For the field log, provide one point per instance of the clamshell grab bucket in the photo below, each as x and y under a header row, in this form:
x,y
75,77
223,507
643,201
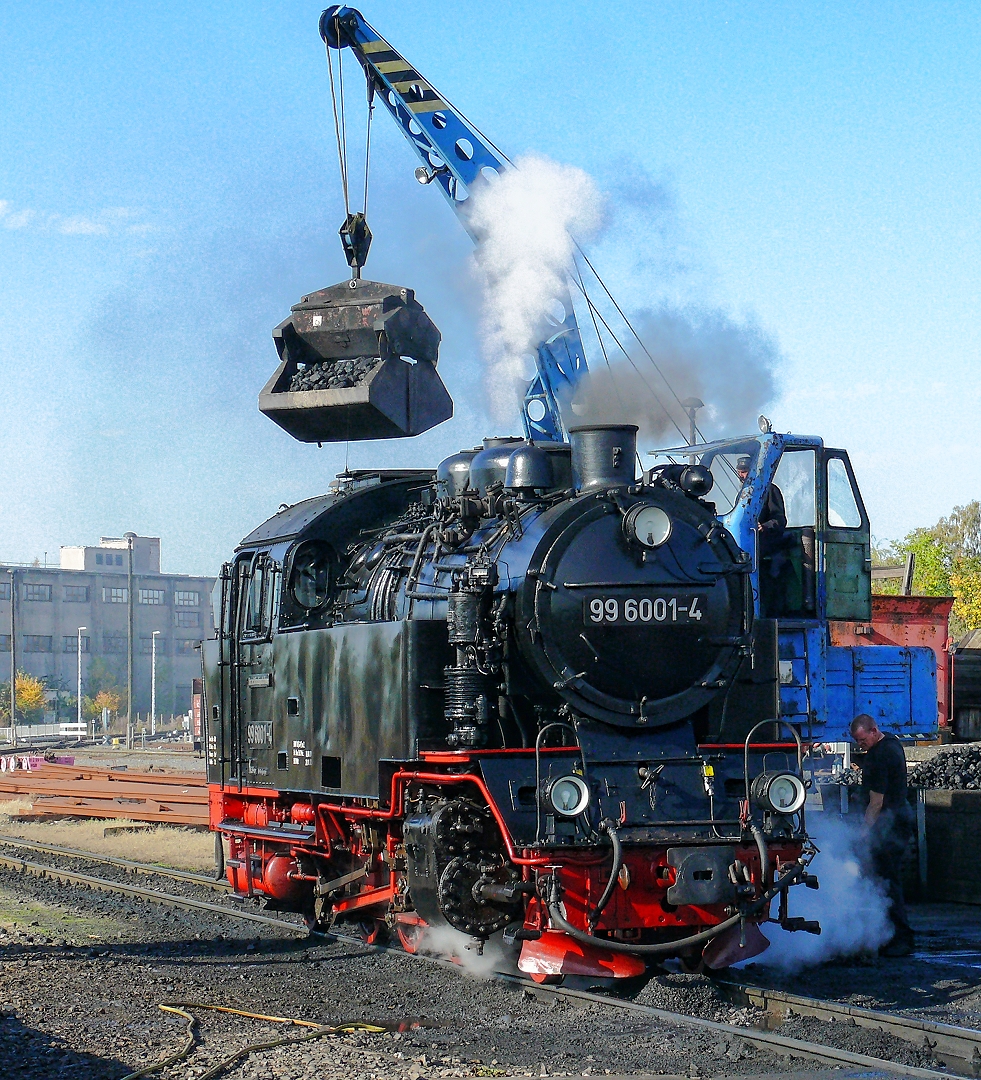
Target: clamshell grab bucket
x,y
357,361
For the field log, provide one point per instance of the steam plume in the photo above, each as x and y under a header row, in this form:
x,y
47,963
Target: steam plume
x,y
525,221
852,910
450,944
702,353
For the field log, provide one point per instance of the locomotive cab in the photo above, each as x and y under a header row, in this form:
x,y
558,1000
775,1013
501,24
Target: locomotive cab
x,y
814,585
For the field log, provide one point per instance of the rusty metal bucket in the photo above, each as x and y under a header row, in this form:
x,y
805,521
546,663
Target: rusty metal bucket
x,y
369,351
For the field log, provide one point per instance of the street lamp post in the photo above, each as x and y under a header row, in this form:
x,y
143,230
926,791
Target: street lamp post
x,y
13,658
130,537
80,629
153,681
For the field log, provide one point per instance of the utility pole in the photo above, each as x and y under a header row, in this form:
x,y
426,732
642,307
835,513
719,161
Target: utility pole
x,y
130,537
13,658
153,682
80,629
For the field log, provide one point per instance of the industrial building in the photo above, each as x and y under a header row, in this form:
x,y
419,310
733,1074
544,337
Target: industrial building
x,y
90,589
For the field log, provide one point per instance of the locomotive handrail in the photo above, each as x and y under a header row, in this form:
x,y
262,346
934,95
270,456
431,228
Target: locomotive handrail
x,y
800,757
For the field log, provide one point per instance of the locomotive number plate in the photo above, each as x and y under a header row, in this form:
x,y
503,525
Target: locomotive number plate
x,y
259,733
601,610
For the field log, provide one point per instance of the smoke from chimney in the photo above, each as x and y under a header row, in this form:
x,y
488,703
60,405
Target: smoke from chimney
x,y
702,353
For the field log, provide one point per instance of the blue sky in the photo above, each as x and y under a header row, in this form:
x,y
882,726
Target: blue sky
x,y
170,188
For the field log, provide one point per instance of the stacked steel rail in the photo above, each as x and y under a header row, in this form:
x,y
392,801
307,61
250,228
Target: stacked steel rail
x,y
83,791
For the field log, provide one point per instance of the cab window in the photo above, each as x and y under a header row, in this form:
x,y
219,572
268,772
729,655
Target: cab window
x,y
843,511
795,479
723,466
255,581
311,579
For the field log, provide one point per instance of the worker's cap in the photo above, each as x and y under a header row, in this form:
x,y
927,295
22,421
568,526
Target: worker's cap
x,y
743,462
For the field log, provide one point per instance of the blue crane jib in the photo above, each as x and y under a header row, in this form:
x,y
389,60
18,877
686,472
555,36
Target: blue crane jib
x,y
458,158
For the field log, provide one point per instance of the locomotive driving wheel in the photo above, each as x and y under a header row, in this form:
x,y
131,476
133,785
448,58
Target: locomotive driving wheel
x,y
411,930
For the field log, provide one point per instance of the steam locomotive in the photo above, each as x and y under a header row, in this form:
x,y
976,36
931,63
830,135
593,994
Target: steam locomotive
x,y
513,696
531,696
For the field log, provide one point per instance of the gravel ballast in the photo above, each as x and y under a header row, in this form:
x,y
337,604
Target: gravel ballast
x,y
82,973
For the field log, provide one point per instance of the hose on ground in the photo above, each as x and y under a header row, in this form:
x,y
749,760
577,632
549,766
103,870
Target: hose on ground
x,y
179,1008
608,827
661,948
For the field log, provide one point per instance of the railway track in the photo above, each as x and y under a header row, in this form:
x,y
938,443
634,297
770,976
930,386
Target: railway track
x,y
216,884
958,1048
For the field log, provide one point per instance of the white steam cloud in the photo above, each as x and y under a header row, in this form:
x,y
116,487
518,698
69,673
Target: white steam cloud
x,y
701,353
450,944
525,221
851,907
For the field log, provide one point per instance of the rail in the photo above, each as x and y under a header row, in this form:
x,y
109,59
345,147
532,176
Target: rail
x,y
961,1047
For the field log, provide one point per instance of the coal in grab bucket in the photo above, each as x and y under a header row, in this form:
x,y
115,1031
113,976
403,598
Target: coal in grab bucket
x,y
357,361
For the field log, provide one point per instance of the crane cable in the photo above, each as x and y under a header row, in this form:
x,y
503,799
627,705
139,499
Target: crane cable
x,y
594,310
340,127
630,327
599,337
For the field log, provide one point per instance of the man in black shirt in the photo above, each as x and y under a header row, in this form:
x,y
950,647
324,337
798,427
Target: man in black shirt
x,y
889,820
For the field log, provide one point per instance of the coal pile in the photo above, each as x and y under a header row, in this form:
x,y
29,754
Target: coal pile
x,y
958,769
848,778
334,374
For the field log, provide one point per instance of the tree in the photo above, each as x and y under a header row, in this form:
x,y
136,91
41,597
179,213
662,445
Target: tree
x,y
31,700
948,563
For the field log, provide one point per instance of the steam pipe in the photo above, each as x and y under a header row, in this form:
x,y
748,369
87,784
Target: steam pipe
x,y
764,854
661,948
607,826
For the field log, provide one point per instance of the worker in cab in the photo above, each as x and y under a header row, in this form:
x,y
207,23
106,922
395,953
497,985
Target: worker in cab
x,y
888,822
772,523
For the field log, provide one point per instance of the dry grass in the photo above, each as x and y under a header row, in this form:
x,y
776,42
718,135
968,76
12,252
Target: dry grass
x,y
183,849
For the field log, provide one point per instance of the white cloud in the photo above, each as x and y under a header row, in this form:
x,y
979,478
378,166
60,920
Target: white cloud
x,y
115,220
19,220
82,226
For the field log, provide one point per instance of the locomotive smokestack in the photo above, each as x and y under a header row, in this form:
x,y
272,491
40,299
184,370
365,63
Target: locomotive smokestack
x,y
603,455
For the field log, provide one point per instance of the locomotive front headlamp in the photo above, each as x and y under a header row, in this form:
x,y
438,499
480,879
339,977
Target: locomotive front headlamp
x,y
569,795
781,793
647,525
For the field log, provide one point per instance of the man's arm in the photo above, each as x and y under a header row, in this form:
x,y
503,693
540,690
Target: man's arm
x,y
774,514
874,809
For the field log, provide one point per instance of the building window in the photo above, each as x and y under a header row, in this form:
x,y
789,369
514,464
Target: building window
x,y
119,560
5,644
37,643
187,619
69,643
186,599
115,596
37,592
186,646
114,644
4,590
151,596
98,558
76,594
